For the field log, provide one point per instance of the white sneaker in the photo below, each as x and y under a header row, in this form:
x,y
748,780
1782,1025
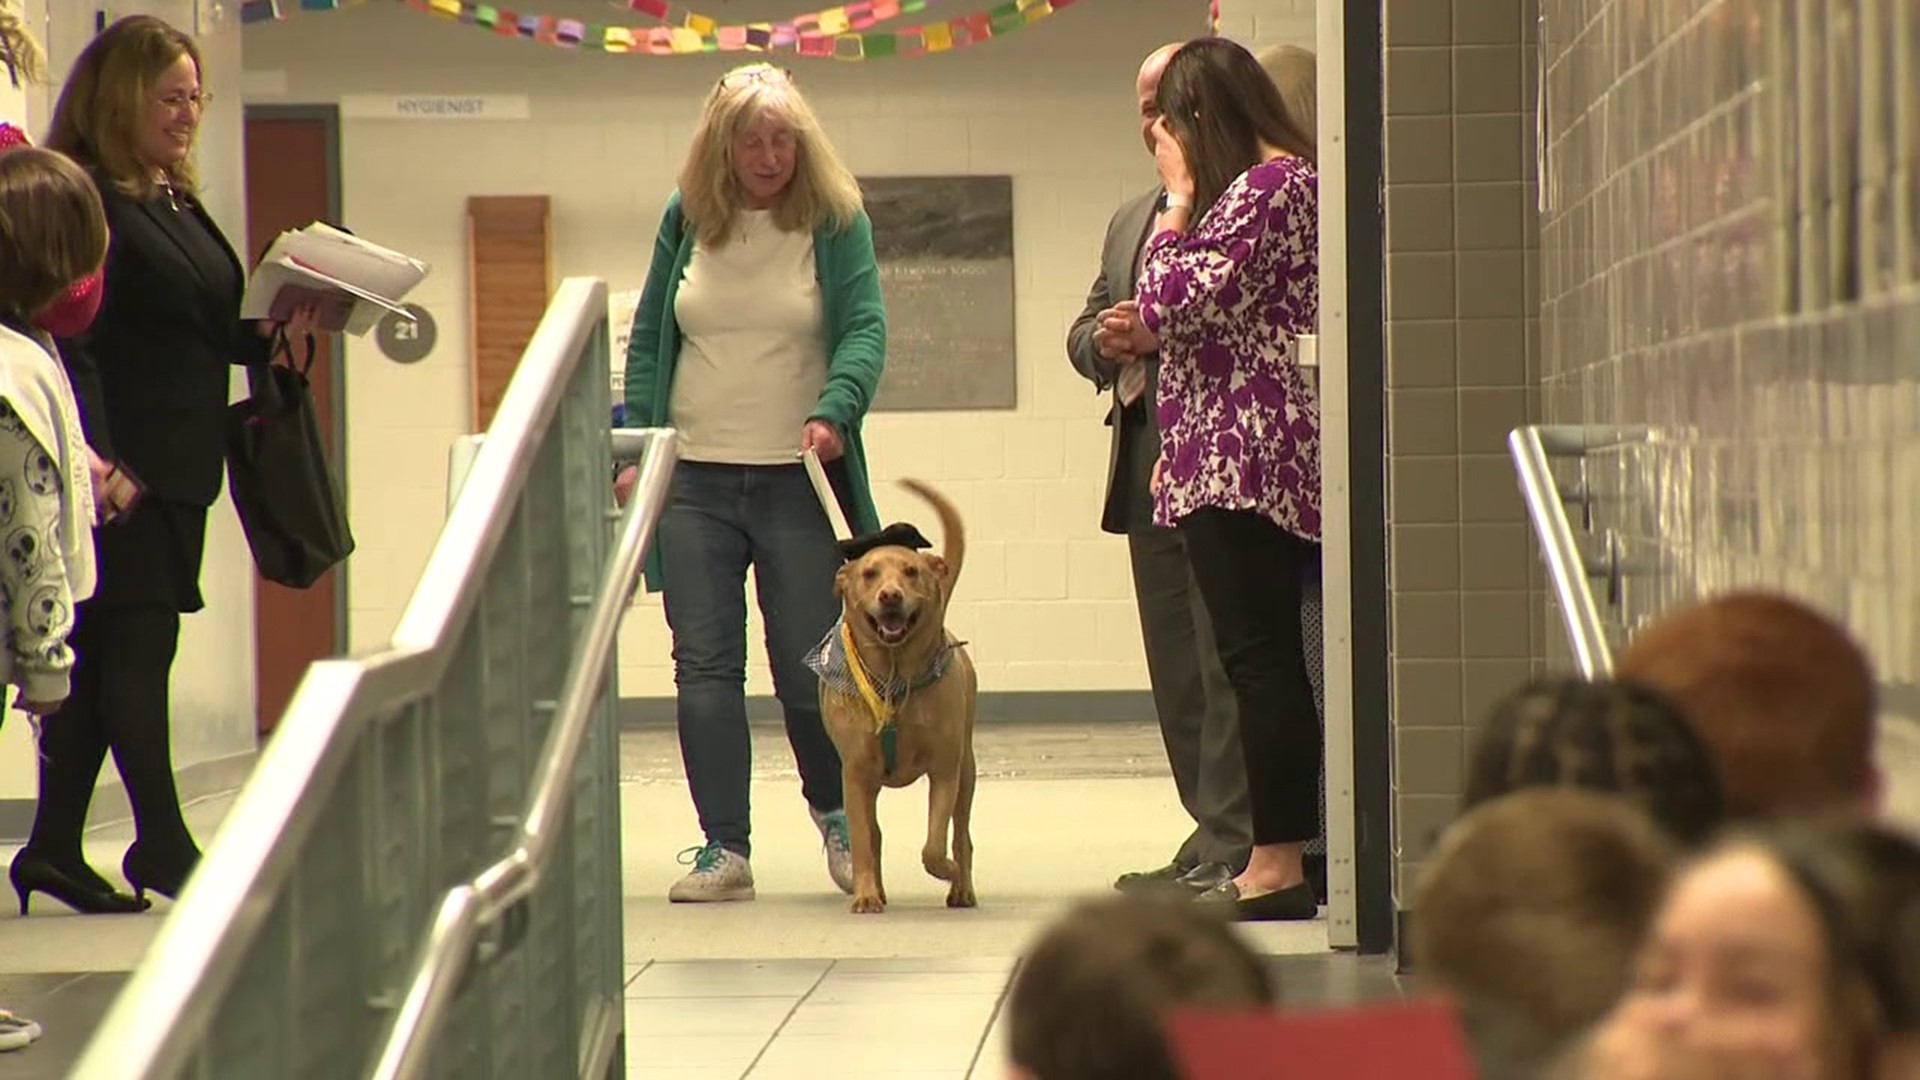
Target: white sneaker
x,y
833,833
16,1032
718,875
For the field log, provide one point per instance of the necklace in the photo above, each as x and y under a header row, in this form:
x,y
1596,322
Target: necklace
x,y
172,200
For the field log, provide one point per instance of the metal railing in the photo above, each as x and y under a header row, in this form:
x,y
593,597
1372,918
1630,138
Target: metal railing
x,y
490,899
1570,568
379,899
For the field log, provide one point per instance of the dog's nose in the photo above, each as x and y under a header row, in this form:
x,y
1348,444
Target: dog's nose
x,y
891,598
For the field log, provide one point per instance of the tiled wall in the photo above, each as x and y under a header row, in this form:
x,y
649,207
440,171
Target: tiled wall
x,y
1462,248
1047,599
1260,23
1731,258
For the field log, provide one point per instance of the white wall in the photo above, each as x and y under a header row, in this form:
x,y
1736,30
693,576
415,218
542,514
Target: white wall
x,y
1047,598
213,679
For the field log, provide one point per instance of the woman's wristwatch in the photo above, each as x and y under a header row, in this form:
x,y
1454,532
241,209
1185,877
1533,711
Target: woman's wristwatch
x,y
1170,201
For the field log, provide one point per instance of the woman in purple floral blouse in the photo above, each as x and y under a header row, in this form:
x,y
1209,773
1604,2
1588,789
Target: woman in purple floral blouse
x,y
1230,276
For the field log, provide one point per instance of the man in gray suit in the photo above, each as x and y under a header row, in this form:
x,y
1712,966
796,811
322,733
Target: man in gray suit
x,y
1191,693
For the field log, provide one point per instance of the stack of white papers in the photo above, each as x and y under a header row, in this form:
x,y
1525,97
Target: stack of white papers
x,y
354,283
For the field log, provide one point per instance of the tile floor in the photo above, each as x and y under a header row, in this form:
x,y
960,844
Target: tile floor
x,y
777,988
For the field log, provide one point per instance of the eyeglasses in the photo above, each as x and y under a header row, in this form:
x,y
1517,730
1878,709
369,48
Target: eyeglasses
x,y
766,73
175,102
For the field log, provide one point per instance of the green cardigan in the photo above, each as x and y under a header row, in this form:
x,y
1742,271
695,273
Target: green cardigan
x,y
856,340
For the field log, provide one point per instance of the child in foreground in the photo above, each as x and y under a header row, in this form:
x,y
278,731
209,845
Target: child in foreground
x,y
1093,993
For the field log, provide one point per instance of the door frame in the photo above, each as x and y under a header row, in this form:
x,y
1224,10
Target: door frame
x,y
1362,912
329,119
1362,34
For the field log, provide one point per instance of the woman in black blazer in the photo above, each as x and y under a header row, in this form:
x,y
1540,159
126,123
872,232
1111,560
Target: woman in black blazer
x,y
152,376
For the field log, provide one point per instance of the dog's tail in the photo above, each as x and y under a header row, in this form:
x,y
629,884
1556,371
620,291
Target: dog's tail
x,y
953,531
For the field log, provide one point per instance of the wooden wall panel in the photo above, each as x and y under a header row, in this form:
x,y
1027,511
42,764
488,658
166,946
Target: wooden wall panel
x,y
510,241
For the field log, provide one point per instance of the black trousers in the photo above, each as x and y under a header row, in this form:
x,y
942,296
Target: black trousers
x,y
1193,700
123,657
1249,571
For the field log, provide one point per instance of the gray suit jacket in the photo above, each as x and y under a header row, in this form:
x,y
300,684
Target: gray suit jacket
x,y
1136,439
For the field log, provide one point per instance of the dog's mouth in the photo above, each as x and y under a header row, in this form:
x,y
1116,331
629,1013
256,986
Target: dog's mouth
x,y
892,626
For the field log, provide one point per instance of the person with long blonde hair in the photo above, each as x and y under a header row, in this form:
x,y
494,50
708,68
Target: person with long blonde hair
x,y
25,61
760,334
1295,74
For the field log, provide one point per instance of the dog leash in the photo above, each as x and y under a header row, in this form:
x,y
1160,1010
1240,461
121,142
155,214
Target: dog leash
x,y
823,490
876,705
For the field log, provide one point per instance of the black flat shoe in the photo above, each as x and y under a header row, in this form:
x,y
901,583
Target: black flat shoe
x,y
1151,879
32,874
1295,904
148,872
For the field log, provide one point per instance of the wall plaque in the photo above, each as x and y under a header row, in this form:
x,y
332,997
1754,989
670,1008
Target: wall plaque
x,y
945,246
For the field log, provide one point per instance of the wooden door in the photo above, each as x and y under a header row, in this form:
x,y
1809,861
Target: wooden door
x,y
292,157
510,246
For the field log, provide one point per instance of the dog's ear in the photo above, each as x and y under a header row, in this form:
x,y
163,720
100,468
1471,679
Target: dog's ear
x,y
843,579
940,568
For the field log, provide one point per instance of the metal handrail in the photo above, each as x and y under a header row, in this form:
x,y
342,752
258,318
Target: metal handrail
x,y
1546,507
475,906
167,1006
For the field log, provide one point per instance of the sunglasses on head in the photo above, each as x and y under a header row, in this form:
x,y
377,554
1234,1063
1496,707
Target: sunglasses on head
x,y
766,73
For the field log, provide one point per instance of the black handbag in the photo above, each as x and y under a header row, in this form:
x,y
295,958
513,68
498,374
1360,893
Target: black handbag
x,y
289,501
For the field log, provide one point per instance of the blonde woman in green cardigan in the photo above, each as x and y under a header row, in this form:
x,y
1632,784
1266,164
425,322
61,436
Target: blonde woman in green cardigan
x,y
760,333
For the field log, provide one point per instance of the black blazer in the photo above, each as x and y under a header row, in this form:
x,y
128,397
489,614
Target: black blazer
x,y
152,373
1136,437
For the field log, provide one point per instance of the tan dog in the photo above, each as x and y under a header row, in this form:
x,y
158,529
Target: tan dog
x,y
909,696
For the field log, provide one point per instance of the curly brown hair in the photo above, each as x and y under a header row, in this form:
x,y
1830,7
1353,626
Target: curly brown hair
x,y
1782,696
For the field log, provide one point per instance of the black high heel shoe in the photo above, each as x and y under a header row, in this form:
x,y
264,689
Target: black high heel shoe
x,y
32,874
152,873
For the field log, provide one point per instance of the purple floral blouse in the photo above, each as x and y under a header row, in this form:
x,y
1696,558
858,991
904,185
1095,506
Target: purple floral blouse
x,y
1239,427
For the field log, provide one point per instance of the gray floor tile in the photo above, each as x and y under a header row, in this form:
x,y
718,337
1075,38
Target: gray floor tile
x,y
951,1016
866,989
937,965
720,1053
728,978
67,1007
1002,751
722,1016
870,1055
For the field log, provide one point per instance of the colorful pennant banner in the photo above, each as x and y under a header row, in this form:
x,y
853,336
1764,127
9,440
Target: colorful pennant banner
x,y
855,17
840,33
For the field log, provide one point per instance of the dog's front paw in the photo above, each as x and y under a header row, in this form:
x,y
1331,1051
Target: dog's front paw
x,y
961,896
869,904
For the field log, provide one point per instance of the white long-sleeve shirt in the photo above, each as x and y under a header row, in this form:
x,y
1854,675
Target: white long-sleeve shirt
x,y
34,583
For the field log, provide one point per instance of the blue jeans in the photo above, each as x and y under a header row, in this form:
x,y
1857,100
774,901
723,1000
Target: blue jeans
x,y
720,520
